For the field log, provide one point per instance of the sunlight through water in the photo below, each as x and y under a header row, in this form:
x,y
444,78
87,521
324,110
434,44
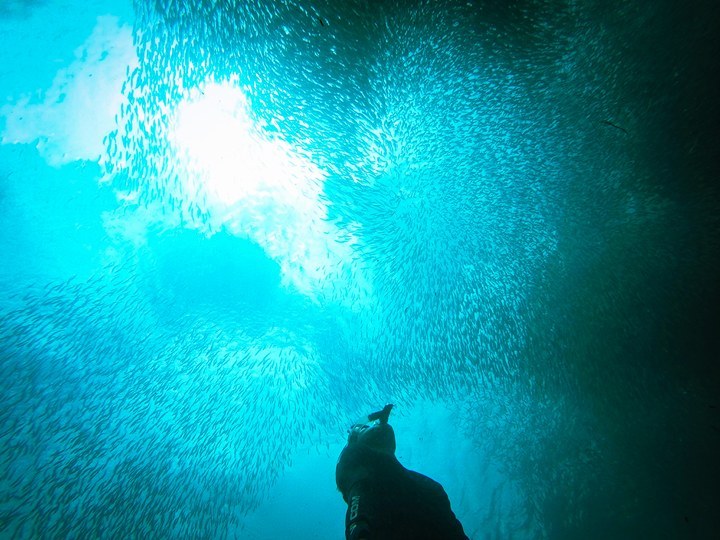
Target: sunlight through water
x,y
256,185
229,158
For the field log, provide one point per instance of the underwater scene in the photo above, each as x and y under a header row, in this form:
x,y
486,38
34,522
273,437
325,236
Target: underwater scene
x,y
231,228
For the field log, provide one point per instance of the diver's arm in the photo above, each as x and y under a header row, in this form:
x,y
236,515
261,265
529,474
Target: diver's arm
x,y
352,475
357,519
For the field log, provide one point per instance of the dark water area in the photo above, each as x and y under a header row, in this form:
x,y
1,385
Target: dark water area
x,y
229,229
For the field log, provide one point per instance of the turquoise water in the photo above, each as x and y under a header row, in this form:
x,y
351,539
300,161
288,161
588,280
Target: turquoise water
x,y
229,229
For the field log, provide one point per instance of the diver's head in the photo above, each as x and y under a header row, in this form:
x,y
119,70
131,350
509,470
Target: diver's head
x,y
376,433
380,437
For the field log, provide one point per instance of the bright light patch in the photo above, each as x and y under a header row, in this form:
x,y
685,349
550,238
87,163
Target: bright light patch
x,y
67,122
255,185
216,137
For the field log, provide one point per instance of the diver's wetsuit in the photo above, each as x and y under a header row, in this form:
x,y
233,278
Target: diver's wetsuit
x,y
386,501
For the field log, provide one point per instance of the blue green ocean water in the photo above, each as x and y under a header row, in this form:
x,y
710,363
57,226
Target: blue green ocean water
x,y
228,229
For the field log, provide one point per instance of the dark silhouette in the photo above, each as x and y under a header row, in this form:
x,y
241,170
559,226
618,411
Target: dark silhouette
x,y
385,500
